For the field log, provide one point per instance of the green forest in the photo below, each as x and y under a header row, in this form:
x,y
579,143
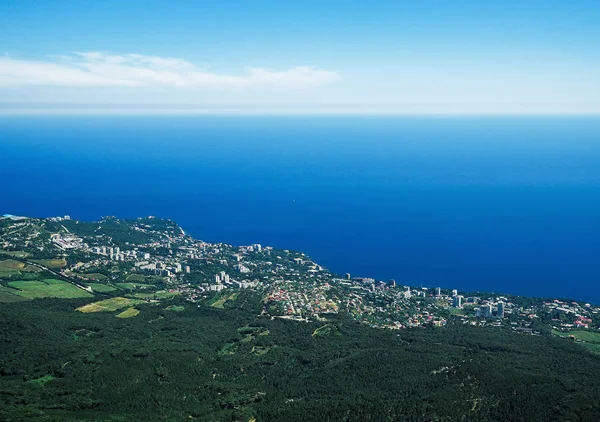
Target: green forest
x,y
177,360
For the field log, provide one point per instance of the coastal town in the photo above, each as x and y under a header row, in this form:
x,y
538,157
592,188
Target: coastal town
x,y
154,259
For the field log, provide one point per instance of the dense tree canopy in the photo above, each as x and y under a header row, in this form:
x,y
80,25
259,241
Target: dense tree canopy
x,y
229,364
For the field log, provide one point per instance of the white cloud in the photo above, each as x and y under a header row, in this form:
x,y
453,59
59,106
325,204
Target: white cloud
x,y
97,69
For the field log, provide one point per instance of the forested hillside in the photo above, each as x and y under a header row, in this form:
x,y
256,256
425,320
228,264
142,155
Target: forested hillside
x,y
180,361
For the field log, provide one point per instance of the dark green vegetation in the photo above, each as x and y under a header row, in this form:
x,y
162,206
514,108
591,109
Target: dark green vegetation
x,y
120,231
139,344
205,363
588,339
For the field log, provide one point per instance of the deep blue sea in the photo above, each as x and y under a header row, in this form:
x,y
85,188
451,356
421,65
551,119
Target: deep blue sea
x,y
505,204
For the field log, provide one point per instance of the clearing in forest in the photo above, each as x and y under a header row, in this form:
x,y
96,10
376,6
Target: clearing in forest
x,y
128,313
220,300
109,305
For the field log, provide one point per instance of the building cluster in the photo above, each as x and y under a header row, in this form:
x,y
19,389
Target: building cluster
x,y
292,284
58,219
68,241
569,315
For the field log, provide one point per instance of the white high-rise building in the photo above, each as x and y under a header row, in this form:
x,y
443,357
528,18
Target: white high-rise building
x,y
187,269
454,292
487,310
438,291
500,310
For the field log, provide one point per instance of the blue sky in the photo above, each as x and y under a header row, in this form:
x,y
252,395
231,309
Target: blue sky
x,y
318,56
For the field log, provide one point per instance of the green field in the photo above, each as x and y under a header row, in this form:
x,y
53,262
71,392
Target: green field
x,y
589,336
8,273
588,339
16,254
259,350
219,301
136,277
11,264
7,297
326,330
10,267
51,263
5,289
582,335
162,294
128,313
176,308
133,286
47,288
93,276
109,305
100,287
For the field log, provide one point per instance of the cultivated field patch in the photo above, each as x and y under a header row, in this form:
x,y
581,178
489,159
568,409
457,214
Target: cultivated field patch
x,y
133,286
135,277
8,295
51,263
128,313
175,308
93,276
219,301
161,294
47,288
326,330
588,339
16,254
100,287
11,264
9,298
109,305
8,273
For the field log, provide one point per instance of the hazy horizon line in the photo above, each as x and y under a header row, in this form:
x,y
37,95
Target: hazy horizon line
x,y
240,109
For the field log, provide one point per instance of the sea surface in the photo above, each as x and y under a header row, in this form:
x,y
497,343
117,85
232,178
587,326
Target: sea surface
x,y
503,204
